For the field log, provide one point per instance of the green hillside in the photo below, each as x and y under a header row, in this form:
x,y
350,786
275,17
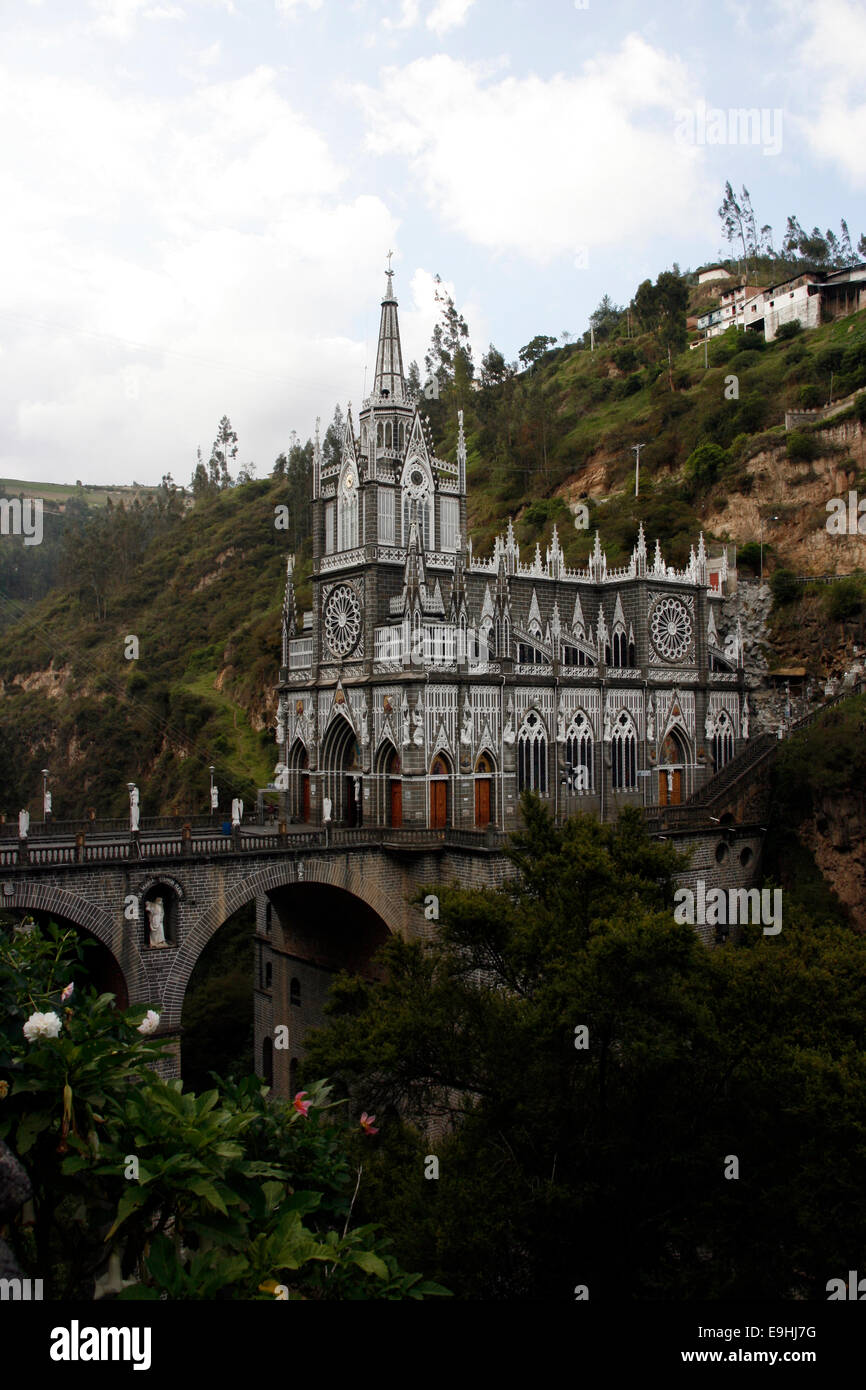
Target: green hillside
x,y
200,584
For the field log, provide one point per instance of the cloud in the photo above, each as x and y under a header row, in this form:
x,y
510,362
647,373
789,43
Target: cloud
x,y
291,7
830,58
169,261
410,11
448,14
539,166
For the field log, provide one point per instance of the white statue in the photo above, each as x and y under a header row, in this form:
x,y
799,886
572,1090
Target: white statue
x,y
709,725
560,727
746,717
46,805
607,728
650,720
327,807
23,824
214,798
134,809
466,730
156,922
237,811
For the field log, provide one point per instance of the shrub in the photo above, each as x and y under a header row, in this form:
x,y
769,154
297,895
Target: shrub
x,y
785,587
703,465
802,448
845,598
789,330
811,396
749,555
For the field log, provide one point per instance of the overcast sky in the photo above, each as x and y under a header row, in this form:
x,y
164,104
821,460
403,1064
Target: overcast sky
x,y
198,197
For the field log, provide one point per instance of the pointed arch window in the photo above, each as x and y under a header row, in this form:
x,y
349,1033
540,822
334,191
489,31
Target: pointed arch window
x,y
402,436
623,755
532,756
723,741
620,647
578,753
506,636
347,511
389,439
379,435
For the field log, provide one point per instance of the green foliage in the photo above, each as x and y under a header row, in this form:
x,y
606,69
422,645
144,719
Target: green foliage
x,y
845,598
789,330
785,587
802,448
705,463
550,1146
222,1194
749,555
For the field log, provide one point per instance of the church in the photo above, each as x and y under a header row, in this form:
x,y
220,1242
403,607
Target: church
x,y
430,686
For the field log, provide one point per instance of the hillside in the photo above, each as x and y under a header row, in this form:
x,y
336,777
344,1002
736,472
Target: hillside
x,y
201,585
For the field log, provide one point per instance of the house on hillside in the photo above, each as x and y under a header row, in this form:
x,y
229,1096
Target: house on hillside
x,y
714,272
811,298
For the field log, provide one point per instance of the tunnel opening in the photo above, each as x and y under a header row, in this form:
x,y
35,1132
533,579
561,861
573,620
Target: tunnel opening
x,y
217,1017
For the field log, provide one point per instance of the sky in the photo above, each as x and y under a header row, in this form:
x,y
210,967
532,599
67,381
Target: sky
x,y
198,198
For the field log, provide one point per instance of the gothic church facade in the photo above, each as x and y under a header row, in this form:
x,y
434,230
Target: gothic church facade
x,y
430,686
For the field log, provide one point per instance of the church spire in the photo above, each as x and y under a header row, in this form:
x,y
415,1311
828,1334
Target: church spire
x,y
389,355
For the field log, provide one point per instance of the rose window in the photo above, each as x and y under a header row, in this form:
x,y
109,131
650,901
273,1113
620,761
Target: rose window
x,y
342,620
671,629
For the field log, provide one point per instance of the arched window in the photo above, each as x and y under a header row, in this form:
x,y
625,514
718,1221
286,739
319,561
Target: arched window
x,y
269,975
623,755
402,436
379,434
506,636
364,435
389,440
486,649
347,511
631,654
723,741
532,756
620,648
578,753
295,991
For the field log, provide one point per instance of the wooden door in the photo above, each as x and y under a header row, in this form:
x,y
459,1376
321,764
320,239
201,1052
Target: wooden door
x,y
482,801
305,798
663,789
438,805
676,786
396,803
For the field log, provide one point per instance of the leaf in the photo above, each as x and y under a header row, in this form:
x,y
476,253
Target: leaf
x,y
370,1263
30,1127
203,1188
129,1202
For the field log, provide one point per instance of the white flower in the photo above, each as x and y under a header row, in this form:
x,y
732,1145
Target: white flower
x,y
150,1022
42,1026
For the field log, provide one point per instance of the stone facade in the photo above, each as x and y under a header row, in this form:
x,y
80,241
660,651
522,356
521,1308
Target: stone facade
x,y
429,686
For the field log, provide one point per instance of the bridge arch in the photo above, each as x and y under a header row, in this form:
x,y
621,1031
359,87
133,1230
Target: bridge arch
x,y
57,902
341,874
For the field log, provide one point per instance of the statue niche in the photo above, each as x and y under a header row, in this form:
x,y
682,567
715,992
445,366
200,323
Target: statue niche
x,y
160,911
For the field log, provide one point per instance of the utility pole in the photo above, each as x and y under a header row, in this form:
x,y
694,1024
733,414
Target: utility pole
x,y
636,448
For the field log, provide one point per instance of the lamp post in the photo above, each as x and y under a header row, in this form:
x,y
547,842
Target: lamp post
x,y
772,518
636,448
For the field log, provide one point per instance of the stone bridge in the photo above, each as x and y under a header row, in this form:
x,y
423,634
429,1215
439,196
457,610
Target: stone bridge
x,y
325,901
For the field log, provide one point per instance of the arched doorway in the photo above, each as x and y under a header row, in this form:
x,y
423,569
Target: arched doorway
x,y
483,790
341,764
389,786
672,766
440,777
299,773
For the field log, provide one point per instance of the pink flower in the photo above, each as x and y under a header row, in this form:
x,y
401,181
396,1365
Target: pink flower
x,y
367,1124
67,993
301,1105
149,1023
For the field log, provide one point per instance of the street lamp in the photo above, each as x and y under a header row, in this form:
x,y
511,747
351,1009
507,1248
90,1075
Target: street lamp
x,y
636,448
772,518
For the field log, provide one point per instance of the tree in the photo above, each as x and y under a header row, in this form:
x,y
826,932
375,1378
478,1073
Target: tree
x,y
591,1062
661,310
733,219
413,381
449,357
223,454
606,318
494,369
535,349
200,483
332,444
